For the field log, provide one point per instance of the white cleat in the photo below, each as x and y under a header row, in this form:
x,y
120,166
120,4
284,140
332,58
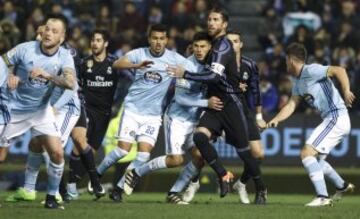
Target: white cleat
x,y
241,189
340,192
190,191
320,202
90,188
175,199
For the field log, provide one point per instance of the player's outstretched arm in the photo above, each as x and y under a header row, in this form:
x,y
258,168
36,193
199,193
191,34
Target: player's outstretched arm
x,y
340,74
285,112
125,63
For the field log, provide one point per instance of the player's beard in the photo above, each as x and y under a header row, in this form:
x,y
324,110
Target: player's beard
x,y
99,52
215,32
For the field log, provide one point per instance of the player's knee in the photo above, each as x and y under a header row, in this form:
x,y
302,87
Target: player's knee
x,y
125,146
80,142
57,155
174,160
200,139
307,151
258,153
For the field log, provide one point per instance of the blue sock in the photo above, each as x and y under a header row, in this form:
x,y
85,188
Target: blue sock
x,y
33,163
316,175
141,158
55,172
110,159
189,172
331,174
154,164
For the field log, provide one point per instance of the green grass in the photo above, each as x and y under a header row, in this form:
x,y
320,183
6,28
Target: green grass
x,y
152,206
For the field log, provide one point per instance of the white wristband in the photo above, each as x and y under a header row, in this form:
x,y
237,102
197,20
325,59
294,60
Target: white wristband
x,y
259,116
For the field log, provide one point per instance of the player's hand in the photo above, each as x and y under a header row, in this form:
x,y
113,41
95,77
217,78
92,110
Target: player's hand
x,y
215,103
39,72
177,71
13,81
349,98
243,87
272,124
261,124
145,64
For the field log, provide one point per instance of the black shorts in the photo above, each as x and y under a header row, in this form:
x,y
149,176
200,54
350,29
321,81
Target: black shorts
x,y
97,125
232,120
82,119
253,130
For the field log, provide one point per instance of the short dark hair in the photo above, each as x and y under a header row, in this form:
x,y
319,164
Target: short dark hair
x,y
235,32
222,11
104,33
59,17
159,28
202,36
297,50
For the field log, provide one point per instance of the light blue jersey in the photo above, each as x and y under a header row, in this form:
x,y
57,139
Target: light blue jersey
x,y
319,91
150,86
189,96
4,95
33,94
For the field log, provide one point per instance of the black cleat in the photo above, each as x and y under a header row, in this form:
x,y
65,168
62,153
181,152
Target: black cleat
x,y
131,180
261,197
116,194
50,203
224,184
99,192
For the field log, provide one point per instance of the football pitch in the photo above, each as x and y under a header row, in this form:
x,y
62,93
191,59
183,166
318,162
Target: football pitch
x,y
152,206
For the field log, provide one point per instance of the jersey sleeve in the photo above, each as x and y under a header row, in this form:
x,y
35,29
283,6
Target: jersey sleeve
x,y
295,90
13,56
133,56
67,61
254,81
317,72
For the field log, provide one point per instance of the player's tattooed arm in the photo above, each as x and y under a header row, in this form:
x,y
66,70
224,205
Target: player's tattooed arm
x,y
66,80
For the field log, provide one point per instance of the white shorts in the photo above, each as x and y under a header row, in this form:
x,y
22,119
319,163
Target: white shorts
x,y
135,127
41,122
329,133
66,118
178,136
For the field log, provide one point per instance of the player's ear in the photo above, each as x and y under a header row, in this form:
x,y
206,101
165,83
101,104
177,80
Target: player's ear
x,y
106,44
241,44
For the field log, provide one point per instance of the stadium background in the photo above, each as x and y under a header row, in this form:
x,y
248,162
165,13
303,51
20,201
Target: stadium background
x,y
328,28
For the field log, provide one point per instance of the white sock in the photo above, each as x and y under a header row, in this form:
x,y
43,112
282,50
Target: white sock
x,y
55,172
316,174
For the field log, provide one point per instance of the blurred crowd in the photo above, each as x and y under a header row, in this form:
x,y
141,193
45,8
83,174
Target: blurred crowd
x,y
328,28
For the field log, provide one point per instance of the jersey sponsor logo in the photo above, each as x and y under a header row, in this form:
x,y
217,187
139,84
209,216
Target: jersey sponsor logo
x,y
38,82
152,77
217,68
100,82
89,65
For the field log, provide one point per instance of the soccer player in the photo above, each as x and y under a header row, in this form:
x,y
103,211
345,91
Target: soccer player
x,y
313,84
250,80
180,120
98,80
143,109
223,82
41,66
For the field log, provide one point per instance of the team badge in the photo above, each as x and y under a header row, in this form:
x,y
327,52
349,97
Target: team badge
x,y
109,70
246,75
89,65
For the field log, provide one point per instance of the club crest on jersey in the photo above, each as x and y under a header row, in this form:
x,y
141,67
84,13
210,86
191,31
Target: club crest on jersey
x,y
109,70
246,75
152,77
89,65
